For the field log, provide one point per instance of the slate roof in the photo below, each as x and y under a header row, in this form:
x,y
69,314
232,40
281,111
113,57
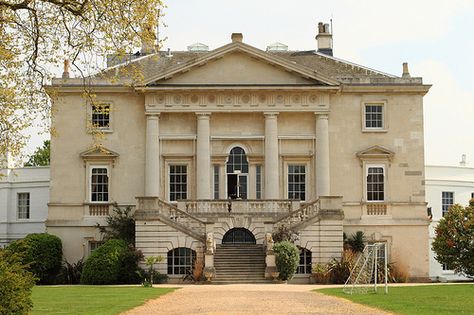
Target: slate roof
x,y
328,66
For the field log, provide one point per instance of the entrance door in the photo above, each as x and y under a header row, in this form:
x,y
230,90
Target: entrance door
x,y
237,186
238,236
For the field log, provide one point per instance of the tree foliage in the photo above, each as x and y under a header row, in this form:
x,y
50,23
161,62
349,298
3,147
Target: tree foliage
x,y
16,283
356,242
37,35
42,253
41,155
454,240
287,257
120,225
114,262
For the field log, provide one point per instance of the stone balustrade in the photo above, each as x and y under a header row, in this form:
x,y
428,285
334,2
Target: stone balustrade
x,y
238,206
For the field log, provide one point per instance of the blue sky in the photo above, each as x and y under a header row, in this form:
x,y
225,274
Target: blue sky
x,y
435,37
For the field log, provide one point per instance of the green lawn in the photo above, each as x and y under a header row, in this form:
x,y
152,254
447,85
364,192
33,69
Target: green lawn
x,y
426,299
91,299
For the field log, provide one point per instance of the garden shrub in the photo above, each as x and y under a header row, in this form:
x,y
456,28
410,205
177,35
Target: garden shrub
x,y
287,258
15,285
112,263
42,253
340,269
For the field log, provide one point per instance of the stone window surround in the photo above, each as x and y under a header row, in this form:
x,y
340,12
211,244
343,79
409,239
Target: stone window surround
x,y
189,170
297,161
108,129
366,173
95,164
27,206
385,126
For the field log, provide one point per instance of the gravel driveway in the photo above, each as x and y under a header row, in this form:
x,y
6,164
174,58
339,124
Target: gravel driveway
x,y
250,299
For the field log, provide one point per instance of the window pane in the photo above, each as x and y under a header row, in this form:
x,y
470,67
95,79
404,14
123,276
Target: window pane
x,y
101,115
374,116
99,185
23,205
375,184
296,182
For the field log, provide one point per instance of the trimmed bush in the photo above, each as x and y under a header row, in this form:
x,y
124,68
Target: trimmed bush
x,y
42,253
112,263
15,285
287,258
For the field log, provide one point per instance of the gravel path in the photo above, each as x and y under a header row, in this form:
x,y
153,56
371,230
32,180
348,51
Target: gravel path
x,y
250,299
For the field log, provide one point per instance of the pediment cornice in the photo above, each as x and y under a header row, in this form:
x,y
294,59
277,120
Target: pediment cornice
x,y
376,152
251,51
99,153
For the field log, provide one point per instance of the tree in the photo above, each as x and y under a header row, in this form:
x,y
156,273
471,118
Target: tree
x,y
120,225
454,240
37,35
41,155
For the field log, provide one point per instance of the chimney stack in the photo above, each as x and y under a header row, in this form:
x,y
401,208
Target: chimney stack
x,y
66,69
463,160
406,73
324,39
237,37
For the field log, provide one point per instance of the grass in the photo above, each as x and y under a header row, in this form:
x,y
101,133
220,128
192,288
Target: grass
x,y
91,299
424,299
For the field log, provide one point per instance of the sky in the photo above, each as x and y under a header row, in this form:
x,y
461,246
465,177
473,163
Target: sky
x,y
435,37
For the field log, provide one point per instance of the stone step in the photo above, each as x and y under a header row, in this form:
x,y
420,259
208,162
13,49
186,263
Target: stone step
x,y
232,281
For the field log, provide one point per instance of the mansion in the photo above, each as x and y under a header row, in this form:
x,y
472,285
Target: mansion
x,y
217,149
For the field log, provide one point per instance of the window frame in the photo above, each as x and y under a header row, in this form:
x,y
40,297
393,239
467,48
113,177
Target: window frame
x,y
304,254
28,205
90,113
258,181
216,175
168,179
443,212
89,183
366,183
381,103
287,175
190,253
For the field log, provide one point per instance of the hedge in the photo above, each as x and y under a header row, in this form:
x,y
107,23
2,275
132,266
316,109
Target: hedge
x,y
287,258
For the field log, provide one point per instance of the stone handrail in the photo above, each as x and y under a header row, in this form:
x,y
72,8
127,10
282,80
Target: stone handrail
x,y
298,216
236,205
182,220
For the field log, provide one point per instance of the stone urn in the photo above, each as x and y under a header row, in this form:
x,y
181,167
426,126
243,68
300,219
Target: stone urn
x,y
209,273
275,275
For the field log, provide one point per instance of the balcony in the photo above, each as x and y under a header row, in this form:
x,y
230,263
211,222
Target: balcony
x,y
271,206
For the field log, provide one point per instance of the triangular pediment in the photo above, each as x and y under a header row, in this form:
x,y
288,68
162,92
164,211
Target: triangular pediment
x,y
99,153
375,152
239,64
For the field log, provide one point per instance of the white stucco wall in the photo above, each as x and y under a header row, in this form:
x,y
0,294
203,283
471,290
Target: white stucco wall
x,y
32,180
456,179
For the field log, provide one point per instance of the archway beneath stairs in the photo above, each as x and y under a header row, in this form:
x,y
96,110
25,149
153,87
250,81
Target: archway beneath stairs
x,y
239,236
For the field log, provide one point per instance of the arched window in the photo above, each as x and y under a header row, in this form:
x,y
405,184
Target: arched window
x,y
238,236
304,267
237,169
180,260
237,161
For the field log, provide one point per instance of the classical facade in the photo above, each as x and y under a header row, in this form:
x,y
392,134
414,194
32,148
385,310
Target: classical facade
x,y
218,149
24,195
445,186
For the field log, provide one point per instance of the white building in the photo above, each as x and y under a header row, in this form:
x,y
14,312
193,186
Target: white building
x,y
445,186
24,195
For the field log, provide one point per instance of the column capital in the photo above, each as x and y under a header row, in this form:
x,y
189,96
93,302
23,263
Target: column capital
x,y
320,115
203,115
152,115
270,114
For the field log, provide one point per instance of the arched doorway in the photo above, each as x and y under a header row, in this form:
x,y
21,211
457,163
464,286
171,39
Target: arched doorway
x,y
238,236
237,168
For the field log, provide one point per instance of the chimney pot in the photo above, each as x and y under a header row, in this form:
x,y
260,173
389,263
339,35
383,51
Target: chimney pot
x,y
237,37
406,73
66,69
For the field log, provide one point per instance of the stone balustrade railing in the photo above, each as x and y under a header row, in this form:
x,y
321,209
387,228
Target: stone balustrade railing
x,y
376,208
298,216
235,205
147,206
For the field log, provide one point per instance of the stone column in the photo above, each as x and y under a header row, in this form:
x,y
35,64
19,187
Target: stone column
x,y
271,156
203,157
322,155
152,157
